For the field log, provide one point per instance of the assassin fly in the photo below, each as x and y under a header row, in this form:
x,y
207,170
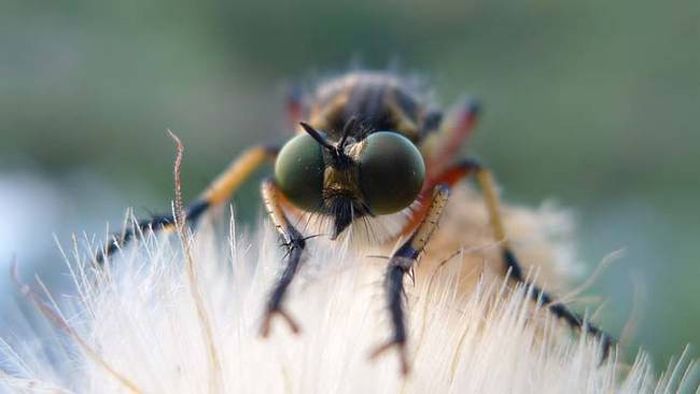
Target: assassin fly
x,y
367,145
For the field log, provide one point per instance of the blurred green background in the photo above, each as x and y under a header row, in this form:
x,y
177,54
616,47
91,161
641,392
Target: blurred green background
x,y
592,103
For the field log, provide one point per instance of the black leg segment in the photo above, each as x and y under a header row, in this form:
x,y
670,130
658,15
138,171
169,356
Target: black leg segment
x,y
156,223
574,320
295,244
399,266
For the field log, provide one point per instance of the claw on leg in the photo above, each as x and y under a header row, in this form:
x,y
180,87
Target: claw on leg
x,y
267,320
399,266
295,243
400,346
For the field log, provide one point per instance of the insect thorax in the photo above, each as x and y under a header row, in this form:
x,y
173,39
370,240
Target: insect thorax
x,y
377,101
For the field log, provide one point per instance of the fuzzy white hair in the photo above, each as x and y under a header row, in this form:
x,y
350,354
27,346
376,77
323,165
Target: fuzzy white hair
x,y
146,323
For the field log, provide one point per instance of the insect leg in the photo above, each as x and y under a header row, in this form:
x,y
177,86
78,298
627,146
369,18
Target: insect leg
x,y
443,146
237,172
400,265
219,191
511,264
295,244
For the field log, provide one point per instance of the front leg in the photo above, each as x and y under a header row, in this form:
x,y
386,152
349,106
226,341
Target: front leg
x,y
401,264
295,244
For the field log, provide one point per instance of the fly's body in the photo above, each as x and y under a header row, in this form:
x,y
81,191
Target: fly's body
x,y
368,146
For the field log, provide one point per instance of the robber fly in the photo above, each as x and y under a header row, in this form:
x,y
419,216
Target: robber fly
x,y
367,145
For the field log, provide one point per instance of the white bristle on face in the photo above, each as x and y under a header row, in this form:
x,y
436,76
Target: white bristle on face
x,y
141,330
363,233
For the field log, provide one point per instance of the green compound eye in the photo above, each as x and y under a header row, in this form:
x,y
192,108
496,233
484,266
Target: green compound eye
x,y
299,172
391,172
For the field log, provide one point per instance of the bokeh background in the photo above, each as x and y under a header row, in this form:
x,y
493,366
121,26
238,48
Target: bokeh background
x,y
594,104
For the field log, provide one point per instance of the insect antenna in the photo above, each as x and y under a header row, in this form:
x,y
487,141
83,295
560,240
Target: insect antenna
x,y
346,131
318,137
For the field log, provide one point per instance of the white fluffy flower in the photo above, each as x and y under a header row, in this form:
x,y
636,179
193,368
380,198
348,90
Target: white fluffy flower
x,y
140,326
